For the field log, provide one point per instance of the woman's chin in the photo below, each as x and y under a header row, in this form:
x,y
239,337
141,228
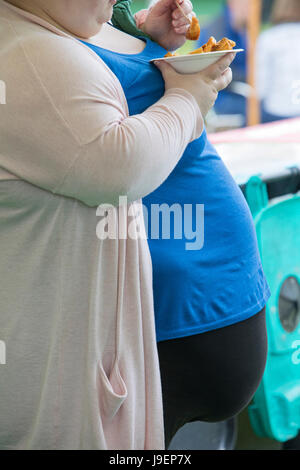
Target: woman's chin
x,y
105,18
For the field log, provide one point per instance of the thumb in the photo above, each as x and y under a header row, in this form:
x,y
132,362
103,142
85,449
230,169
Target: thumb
x,y
164,67
140,17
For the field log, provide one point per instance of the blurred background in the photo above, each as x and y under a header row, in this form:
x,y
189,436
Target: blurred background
x,y
255,126
266,77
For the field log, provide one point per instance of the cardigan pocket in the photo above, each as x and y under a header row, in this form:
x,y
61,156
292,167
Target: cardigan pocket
x,y
112,391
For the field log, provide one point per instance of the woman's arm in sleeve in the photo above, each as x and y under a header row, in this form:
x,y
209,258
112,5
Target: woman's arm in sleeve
x,y
76,137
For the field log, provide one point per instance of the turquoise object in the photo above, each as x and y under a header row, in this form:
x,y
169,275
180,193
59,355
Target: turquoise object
x,y
275,409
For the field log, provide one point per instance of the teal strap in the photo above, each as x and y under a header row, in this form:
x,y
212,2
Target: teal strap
x,y
123,19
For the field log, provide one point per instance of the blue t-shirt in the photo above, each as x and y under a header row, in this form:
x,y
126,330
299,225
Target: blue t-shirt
x,y
212,276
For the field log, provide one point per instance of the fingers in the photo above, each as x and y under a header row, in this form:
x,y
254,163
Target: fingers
x,y
217,69
179,21
224,80
164,67
140,17
186,6
182,29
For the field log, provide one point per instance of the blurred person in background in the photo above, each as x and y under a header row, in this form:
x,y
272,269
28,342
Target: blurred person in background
x,y
231,23
266,10
278,65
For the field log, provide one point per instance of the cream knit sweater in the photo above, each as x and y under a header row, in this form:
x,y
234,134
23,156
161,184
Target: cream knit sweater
x,y
76,311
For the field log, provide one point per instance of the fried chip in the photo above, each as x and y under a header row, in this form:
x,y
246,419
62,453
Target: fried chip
x,y
224,44
209,46
193,32
169,54
197,51
212,45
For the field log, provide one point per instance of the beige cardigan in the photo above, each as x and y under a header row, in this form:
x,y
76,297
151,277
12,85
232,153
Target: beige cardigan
x,y
76,311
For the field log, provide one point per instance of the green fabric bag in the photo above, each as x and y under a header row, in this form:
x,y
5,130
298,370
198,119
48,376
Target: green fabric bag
x,y
123,19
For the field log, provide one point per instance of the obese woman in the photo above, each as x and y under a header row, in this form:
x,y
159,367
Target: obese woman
x,y
88,119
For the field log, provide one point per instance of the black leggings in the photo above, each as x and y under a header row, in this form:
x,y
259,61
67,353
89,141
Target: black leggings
x,y
211,376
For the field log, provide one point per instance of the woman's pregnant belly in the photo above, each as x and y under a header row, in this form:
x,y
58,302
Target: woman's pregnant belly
x,y
225,218
209,277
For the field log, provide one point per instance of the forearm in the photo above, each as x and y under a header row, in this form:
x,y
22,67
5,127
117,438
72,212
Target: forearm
x,y
133,158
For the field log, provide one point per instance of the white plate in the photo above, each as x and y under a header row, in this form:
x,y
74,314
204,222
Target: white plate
x,y
192,63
